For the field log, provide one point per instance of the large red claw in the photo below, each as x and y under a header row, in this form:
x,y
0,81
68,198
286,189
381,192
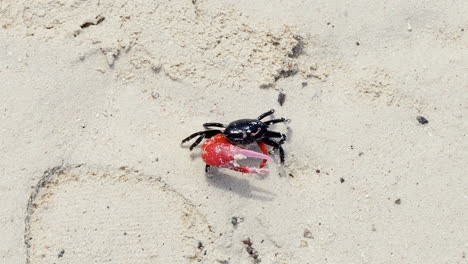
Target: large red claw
x,y
218,152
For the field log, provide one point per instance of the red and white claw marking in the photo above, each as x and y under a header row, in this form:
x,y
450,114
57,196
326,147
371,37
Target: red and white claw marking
x,y
219,152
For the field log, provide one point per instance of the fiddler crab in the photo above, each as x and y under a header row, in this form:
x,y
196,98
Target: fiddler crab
x,y
220,149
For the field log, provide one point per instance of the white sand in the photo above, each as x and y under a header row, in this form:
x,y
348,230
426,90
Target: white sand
x,y
117,96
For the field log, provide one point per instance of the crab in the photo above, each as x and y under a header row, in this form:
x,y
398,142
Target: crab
x,y
220,149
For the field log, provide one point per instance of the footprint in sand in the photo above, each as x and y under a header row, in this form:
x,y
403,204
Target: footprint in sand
x,y
78,214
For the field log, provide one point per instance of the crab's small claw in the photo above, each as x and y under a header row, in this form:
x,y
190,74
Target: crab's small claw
x,y
218,152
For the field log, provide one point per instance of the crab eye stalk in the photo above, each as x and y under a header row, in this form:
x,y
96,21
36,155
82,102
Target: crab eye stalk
x,y
256,133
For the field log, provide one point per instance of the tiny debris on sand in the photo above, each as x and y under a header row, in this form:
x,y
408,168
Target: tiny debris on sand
x,y
422,120
308,234
251,250
154,95
235,220
304,244
96,21
281,98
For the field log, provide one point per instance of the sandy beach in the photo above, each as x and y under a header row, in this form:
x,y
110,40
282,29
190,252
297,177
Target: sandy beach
x,y
96,96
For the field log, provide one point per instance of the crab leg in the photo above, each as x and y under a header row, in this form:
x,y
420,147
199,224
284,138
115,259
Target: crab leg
x,y
264,150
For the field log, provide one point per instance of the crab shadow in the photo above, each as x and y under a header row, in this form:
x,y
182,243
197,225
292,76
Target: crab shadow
x,y
194,155
241,187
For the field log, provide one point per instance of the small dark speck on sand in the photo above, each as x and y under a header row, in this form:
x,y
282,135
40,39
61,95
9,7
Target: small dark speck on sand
x,y
155,95
422,120
317,171
304,84
398,201
97,21
235,220
251,250
357,43
60,254
281,98
308,234
342,180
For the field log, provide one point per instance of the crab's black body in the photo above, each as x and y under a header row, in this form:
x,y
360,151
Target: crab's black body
x,y
244,132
